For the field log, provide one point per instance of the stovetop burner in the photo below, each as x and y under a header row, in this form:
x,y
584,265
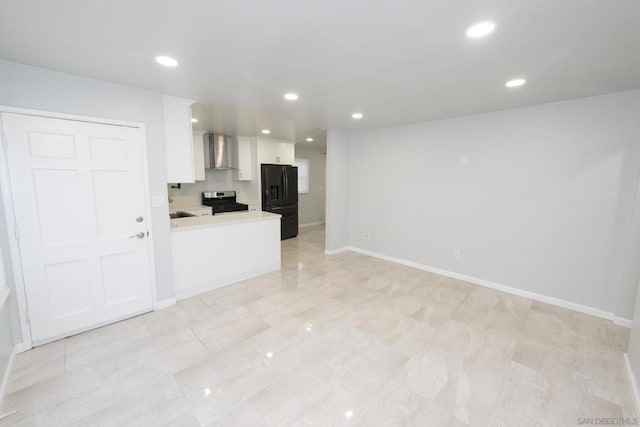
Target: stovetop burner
x,y
223,201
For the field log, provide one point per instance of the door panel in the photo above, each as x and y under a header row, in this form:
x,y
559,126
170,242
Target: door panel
x,y
116,269
272,185
288,227
108,149
113,221
291,182
57,188
51,145
77,189
68,287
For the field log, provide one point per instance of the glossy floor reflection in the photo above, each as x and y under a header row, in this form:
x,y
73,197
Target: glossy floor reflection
x,y
332,340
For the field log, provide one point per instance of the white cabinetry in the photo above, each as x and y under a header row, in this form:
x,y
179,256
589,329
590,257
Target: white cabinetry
x,y
252,248
263,150
198,156
272,150
178,139
243,159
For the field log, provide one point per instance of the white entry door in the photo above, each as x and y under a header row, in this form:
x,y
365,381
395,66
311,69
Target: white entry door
x,y
79,198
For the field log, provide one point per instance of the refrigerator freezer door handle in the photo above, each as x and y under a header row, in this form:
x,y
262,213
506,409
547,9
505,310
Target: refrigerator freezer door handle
x,y
286,185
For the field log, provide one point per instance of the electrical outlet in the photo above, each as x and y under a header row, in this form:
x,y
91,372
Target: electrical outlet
x,y
464,160
456,253
367,236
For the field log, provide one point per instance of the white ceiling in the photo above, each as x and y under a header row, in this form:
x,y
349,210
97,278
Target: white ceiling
x,y
396,62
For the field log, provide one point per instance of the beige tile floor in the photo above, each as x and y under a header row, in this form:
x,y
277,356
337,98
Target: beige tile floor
x,y
339,340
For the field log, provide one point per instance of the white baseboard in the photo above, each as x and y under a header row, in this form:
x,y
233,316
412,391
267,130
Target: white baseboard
x,y
311,224
197,290
5,376
335,251
621,321
497,286
165,303
635,391
22,347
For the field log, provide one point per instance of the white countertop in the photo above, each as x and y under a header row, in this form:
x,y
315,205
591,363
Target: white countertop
x,y
189,223
188,208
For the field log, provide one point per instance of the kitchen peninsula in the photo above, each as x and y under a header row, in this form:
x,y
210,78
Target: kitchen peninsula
x,y
214,251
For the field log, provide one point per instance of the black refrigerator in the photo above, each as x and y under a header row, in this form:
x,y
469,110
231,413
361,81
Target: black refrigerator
x,y
280,195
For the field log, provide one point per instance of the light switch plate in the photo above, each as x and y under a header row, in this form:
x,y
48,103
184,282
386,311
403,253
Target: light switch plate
x,y
159,201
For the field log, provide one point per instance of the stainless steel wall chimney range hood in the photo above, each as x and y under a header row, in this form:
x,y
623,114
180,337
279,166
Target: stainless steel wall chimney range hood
x,y
217,150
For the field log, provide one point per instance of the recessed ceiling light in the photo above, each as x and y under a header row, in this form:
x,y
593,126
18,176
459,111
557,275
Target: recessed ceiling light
x,y
515,82
194,120
348,413
266,131
480,29
167,61
291,96
309,139
357,115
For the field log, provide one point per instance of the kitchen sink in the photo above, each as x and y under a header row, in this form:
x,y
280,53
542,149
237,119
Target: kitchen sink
x,y
180,214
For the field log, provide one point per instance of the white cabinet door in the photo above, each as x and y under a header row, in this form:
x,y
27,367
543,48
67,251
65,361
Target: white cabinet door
x,y
286,153
243,156
198,156
178,139
268,152
79,197
272,150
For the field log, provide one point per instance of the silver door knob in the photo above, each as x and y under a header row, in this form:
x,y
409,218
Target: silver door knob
x,y
139,235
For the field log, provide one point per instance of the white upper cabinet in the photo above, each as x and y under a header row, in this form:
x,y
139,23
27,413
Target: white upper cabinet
x,y
198,156
178,139
286,152
243,159
271,150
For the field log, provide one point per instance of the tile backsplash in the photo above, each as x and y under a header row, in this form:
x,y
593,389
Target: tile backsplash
x,y
190,194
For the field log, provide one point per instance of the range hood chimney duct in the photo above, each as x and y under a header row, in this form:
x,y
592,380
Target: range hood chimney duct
x,y
217,150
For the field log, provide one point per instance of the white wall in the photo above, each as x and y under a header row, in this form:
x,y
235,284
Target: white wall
x,y
544,204
311,206
40,89
631,267
338,204
249,191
